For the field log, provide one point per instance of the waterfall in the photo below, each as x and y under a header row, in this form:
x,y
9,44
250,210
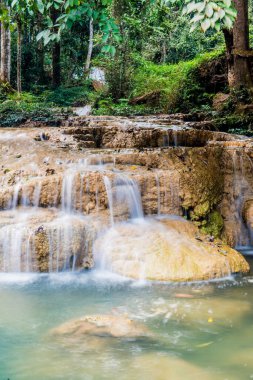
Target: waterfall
x,y
14,202
67,192
124,198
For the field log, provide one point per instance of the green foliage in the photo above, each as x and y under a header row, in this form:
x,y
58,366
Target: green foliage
x,y
67,97
242,131
179,84
234,123
214,224
71,12
211,14
47,107
108,107
13,113
5,91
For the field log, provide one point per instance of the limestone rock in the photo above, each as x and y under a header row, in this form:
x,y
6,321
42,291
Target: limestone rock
x,y
45,241
102,326
178,168
166,253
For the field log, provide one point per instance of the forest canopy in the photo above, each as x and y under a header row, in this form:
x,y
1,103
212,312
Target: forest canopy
x,y
146,46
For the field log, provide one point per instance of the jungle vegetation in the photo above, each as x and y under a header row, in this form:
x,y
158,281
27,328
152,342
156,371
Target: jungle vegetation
x,y
158,56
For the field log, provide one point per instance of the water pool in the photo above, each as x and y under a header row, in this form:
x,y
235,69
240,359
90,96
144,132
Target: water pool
x,y
199,330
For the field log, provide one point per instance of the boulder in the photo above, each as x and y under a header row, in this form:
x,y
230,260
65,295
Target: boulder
x,y
168,251
112,326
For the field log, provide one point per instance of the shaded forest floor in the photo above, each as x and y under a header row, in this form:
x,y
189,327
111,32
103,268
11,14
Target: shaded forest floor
x,y
196,88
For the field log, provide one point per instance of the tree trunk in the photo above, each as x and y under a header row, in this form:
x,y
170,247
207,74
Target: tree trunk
x,y
19,56
229,41
163,51
5,71
90,49
56,58
56,79
40,52
238,51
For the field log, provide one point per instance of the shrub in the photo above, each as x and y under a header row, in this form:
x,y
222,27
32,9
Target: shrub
x,y
14,113
180,84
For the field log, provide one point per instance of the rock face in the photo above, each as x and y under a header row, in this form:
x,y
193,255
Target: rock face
x,y
168,251
102,326
94,171
45,241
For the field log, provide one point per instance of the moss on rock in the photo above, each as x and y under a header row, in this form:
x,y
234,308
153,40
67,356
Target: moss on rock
x,y
214,224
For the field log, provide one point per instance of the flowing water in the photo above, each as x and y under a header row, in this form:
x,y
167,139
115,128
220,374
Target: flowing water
x,y
199,331
196,330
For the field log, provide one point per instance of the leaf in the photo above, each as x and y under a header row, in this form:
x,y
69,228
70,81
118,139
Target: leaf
x,y
40,5
228,22
205,25
228,3
209,10
197,18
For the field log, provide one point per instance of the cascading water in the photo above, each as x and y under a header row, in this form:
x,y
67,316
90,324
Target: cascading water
x,y
35,239
57,220
46,240
124,197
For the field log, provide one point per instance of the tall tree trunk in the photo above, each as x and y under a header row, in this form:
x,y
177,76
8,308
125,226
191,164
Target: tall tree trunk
x,y
229,41
56,57
5,71
163,52
19,56
90,48
56,79
238,51
40,52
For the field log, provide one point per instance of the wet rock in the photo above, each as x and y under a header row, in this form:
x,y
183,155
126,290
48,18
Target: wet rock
x,y
159,367
60,243
50,172
86,145
204,175
166,253
102,326
43,136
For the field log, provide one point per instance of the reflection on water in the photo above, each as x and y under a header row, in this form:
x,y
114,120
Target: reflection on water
x,y
199,330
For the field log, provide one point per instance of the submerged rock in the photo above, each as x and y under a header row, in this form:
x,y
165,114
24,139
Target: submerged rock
x,y
172,251
102,326
204,311
160,367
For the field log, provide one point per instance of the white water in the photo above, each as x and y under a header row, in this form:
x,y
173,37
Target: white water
x,y
120,191
63,234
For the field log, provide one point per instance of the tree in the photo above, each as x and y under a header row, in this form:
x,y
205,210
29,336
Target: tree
x,y
5,69
14,13
233,18
91,44
56,54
